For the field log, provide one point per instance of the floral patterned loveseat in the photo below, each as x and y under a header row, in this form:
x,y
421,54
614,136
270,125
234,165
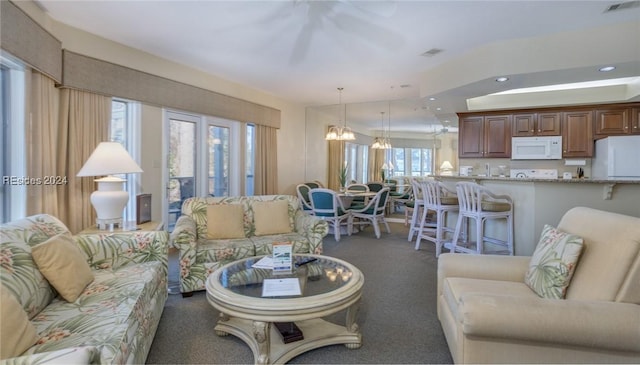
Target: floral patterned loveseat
x,y
113,320
200,255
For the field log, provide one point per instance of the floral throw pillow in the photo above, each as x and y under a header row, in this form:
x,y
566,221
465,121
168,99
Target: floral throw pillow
x,y
553,263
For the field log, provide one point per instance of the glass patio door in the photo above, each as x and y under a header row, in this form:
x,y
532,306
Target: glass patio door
x,y
182,163
199,160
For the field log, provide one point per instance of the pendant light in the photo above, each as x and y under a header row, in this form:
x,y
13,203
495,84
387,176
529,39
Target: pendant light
x,y
381,143
388,141
340,133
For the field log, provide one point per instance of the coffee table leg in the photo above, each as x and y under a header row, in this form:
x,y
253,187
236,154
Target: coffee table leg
x,y
222,318
352,326
262,334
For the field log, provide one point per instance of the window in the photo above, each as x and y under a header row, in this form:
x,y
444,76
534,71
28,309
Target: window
x,y
412,161
12,137
357,157
250,158
125,128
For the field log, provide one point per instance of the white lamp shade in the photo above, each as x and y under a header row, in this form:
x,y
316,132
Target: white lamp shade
x,y
107,159
446,166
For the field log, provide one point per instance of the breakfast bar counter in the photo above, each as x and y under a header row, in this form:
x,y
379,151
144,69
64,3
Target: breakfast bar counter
x,y
544,201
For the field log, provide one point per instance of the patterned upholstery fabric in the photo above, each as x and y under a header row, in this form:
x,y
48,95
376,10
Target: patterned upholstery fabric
x,y
115,318
200,256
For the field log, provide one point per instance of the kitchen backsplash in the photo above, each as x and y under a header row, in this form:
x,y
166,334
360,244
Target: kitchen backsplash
x,y
478,165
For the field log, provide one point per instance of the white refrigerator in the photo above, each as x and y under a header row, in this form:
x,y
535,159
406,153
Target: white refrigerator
x,y
617,157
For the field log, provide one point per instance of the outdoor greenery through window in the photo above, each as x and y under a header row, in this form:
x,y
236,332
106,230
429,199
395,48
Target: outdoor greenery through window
x,y
412,161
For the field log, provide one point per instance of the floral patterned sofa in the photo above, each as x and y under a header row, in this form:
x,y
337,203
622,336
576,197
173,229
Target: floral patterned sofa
x,y
113,319
200,255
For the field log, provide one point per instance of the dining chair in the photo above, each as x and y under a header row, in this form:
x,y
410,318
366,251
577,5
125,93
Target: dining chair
x,y
302,191
375,186
373,213
327,205
436,197
358,201
312,184
479,203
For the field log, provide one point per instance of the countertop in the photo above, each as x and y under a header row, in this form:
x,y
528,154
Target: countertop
x,y
564,181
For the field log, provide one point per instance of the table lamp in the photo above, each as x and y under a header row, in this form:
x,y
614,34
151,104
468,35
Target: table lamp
x,y
109,158
445,168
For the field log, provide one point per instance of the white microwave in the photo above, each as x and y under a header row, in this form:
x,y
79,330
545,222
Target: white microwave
x,y
536,148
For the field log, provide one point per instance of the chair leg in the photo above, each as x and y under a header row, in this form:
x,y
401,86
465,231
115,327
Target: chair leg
x,y
386,224
439,222
414,221
423,219
480,236
456,234
376,228
336,230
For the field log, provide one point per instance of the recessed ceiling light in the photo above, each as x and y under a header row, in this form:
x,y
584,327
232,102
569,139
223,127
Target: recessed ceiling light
x,y
432,98
502,79
607,68
438,108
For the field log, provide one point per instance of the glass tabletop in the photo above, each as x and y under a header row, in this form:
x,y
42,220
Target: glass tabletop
x,y
320,276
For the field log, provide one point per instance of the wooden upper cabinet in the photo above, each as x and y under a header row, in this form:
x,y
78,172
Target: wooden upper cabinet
x,y
484,136
497,136
612,122
577,133
635,120
536,124
471,137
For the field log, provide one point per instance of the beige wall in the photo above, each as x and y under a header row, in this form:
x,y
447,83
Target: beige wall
x,y
291,147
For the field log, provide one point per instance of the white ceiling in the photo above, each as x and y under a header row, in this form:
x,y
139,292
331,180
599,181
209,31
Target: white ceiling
x,y
303,51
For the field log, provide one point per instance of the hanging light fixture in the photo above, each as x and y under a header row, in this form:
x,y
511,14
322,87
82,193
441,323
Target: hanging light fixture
x,y
340,133
381,143
388,141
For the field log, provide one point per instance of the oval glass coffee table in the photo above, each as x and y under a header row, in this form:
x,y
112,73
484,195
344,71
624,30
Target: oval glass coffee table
x,y
327,285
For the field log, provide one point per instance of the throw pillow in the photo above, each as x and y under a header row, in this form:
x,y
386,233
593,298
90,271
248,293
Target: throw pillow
x,y
16,332
225,221
553,263
271,217
63,265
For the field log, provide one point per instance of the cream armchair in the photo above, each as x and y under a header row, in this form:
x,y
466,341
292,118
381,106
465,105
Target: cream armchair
x,y
489,315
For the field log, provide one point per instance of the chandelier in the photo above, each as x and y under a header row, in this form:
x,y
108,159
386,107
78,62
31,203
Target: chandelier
x,y
340,133
381,143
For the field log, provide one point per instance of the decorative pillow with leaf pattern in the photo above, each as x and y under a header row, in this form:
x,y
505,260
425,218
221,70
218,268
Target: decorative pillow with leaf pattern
x,y
553,263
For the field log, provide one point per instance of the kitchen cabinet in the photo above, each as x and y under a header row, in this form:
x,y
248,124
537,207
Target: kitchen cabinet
x,y
577,133
536,124
635,120
484,136
612,122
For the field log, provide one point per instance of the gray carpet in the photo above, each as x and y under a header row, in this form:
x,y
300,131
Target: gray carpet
x,y
397,315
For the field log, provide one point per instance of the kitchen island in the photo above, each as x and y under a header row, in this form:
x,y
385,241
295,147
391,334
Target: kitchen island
x,y
544,201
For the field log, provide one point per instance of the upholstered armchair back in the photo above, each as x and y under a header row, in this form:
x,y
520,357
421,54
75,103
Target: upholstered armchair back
x,y
609,267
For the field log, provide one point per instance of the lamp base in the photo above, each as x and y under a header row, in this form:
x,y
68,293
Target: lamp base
x,y
109,202
108,224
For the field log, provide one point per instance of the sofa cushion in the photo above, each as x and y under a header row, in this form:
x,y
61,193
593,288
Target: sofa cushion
x,y
224,250
553,262
115,313
225,221
64,266
271,217
263,244
16,332
456,288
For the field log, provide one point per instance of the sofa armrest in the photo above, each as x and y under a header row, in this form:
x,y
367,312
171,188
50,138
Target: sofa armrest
x,y
488,267
592,324
114,250
72,355
313,228
184,233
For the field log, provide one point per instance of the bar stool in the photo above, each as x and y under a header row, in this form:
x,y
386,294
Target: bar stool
x,y
436,197
418,205
479,203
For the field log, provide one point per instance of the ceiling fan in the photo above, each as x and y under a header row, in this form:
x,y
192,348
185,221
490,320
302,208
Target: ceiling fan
x,y
350,17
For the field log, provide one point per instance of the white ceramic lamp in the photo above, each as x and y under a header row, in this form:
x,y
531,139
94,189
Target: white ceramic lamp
x,y
445,168
109,158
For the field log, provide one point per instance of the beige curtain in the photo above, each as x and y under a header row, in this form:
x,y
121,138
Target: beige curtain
x,y
42,141
376,160
336,161
84,123
266,173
